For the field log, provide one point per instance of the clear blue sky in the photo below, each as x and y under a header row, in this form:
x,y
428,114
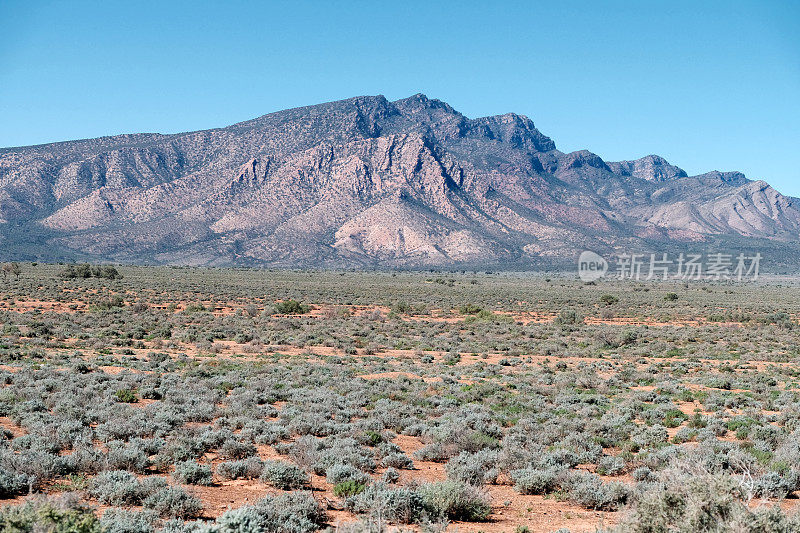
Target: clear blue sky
x,y
708,85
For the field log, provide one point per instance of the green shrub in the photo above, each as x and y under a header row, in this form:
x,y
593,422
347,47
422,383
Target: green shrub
x,y
127,396
86,271
470,309
568,317
345,489
291,307
608,299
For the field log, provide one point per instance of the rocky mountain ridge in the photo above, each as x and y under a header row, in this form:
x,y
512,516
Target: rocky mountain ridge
x,y
366,182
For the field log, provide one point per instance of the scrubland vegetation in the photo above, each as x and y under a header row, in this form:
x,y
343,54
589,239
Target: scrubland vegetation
x,y
193,400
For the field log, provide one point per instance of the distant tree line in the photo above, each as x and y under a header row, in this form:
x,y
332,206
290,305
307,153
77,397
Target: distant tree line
x,y
86,270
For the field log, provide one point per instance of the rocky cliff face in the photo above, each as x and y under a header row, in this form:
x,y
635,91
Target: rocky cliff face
x,y
364,182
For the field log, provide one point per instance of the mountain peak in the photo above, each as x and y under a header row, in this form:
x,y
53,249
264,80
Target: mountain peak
x,y
516,130
652,168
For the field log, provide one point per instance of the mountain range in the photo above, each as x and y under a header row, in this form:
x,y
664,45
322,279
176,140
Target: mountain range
x,y
366,182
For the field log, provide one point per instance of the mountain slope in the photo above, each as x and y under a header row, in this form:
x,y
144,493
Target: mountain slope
x,y
364,182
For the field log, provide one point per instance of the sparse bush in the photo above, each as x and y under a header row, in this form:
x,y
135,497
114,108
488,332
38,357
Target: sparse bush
x,y
173,502
474,468
12,484
291,307
346,489
398,505
56,515
234,449
127,396
568,317
125,521
535,481
295,512
455,501
589,491
341,473
250,468
192,473
283,475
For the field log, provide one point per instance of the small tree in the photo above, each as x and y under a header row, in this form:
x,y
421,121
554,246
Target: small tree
x,y
11,268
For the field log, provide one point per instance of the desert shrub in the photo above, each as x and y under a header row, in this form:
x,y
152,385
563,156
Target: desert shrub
x,y
335,450
125,521
291,307
12,484
611,465
56,515
397,460
116,487
397,505
642,474
340,473
651,436
474,468
776,485
234,449
295,512
127,456
349,488
608,299
452,500
391,475
454,439
470,309
106,304
127,396
192,473
706,503
589,491
173,502
283,475
568,317
684,434
249,468
535,480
